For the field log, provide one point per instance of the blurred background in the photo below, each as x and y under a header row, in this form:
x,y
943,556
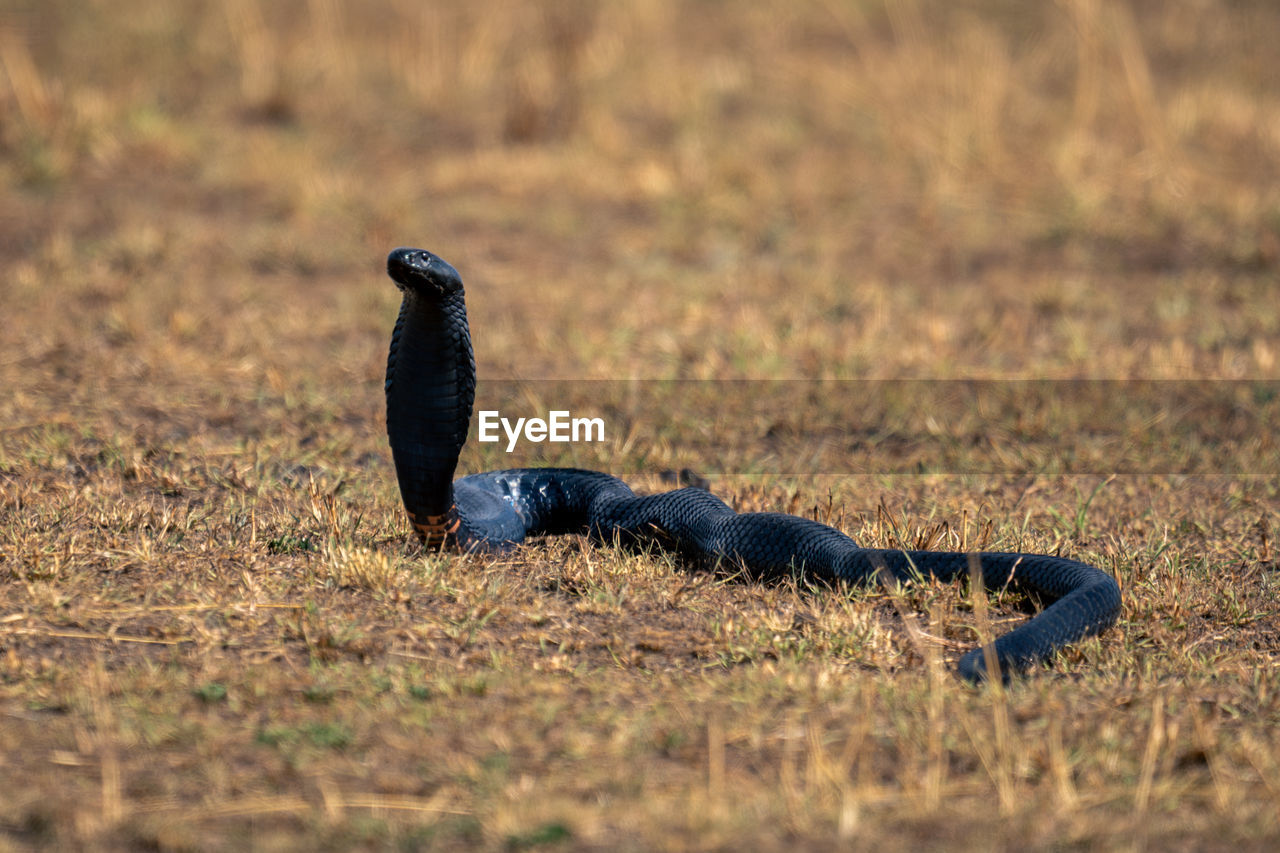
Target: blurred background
x,y
823,188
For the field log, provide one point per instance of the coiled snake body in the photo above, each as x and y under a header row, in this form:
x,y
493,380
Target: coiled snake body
x,y
430,389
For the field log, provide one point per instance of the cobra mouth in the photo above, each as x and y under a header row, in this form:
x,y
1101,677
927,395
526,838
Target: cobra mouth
x,y
436,530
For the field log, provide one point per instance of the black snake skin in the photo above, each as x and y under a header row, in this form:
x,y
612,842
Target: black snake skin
x,y
430,388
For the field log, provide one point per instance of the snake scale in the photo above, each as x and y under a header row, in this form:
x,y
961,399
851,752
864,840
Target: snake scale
x,y
430,390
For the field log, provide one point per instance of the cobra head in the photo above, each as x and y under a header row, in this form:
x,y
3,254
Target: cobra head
x,y
423,273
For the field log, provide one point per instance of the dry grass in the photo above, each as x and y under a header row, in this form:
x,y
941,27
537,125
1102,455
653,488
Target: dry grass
x,y
215,631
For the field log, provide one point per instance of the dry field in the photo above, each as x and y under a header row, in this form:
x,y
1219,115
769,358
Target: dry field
x,y
215,631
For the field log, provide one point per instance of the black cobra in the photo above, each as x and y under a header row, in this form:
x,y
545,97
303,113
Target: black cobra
x,y
430,389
